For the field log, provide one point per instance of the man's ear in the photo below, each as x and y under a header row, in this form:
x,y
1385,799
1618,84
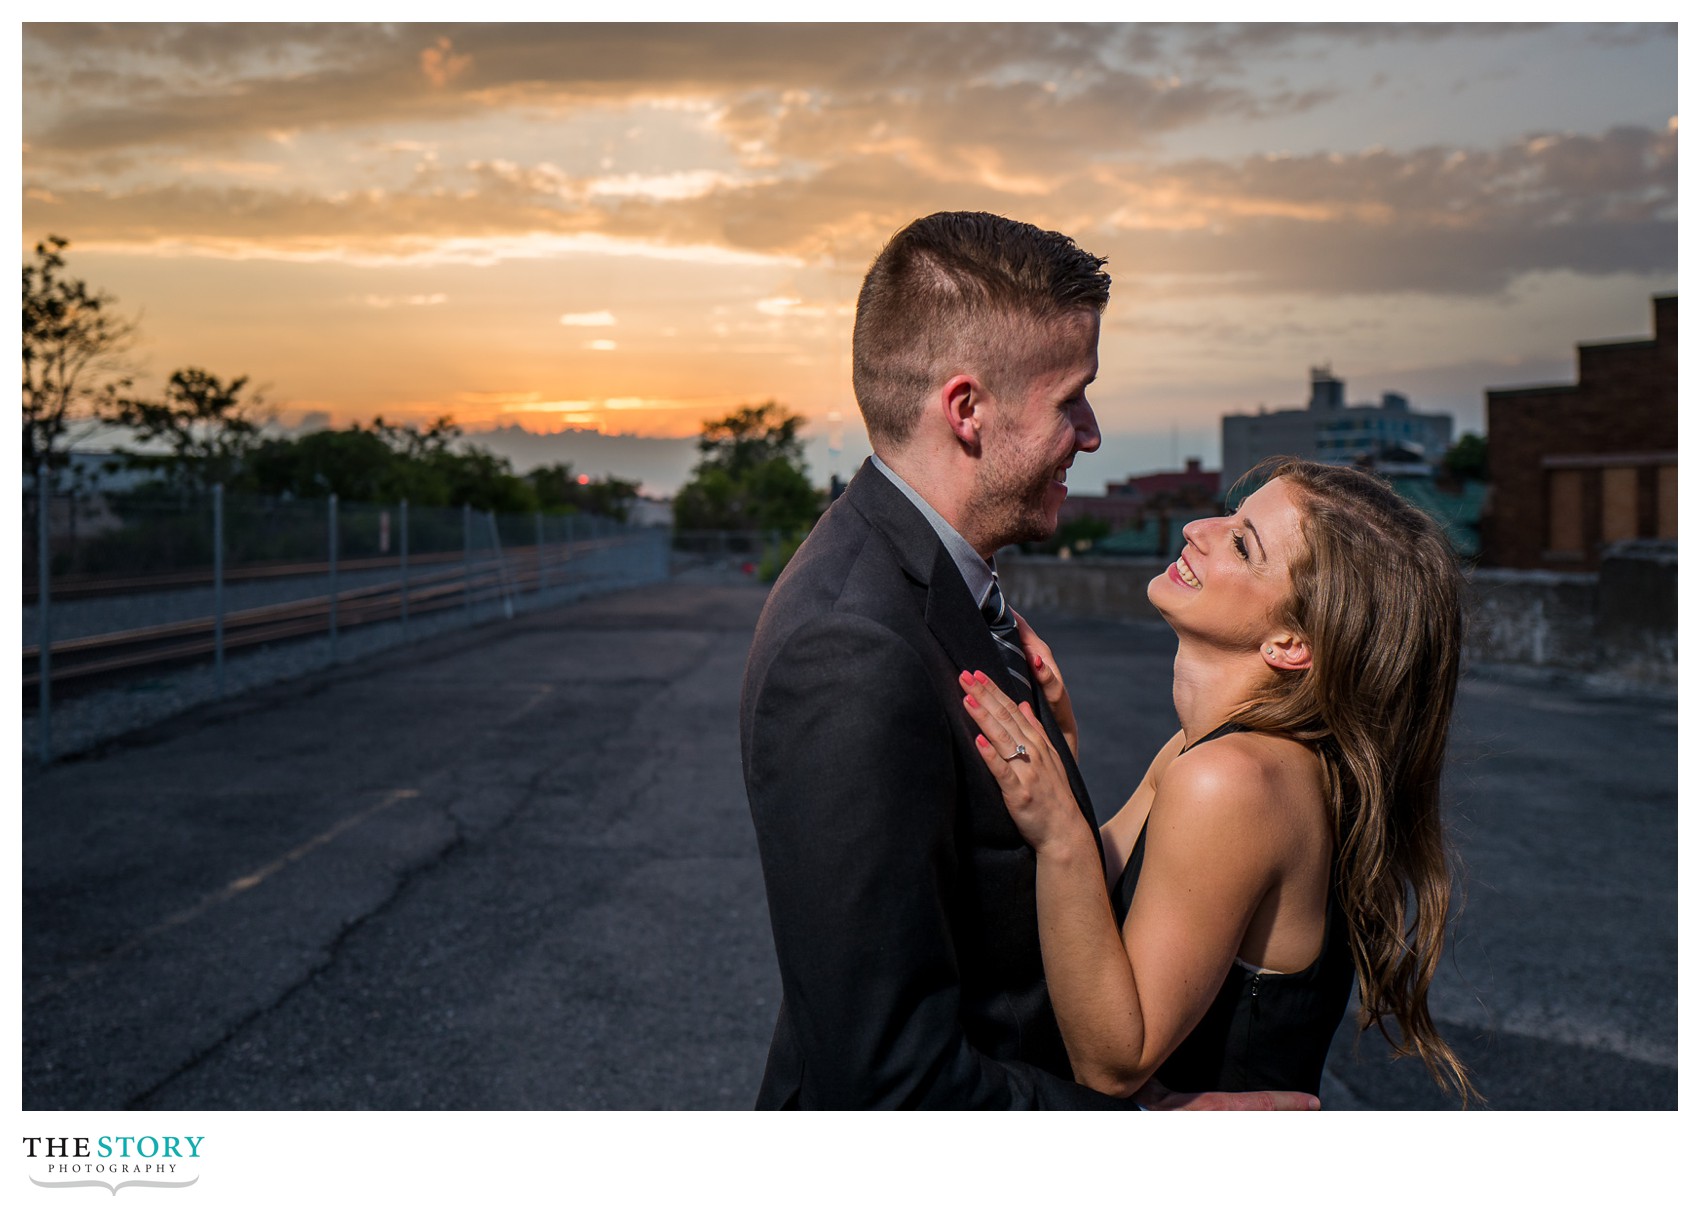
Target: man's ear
x,y
1286,652
963,399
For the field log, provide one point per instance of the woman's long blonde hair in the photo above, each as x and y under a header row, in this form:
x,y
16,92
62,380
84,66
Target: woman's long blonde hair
x,y
1378,593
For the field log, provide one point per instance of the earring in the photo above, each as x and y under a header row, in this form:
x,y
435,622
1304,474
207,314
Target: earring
x,y
1270,651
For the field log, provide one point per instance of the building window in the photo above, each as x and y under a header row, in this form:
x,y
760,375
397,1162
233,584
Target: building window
x,y
1619,512
1667,501
1564,513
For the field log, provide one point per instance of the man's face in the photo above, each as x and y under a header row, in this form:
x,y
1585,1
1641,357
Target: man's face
x,y
1036,427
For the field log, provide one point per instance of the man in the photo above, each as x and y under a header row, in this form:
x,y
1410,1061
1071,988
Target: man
x,y
901,895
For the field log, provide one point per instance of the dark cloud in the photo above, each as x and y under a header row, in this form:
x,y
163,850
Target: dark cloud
x,y
293,220
108,87
1230,48
1631,33
1438,220
102,87
1290,256
846,132
1019,136
1435,220
1628,172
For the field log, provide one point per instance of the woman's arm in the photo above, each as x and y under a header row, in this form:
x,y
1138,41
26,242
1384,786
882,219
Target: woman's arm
x,y
1125,1002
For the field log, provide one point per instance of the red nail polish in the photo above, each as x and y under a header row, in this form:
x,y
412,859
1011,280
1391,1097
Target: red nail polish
x,y
969,699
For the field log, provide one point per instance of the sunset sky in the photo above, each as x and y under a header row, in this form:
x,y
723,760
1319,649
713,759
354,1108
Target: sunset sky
x,y
631,228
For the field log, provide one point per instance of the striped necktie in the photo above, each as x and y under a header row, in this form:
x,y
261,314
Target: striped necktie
x,y
1002,623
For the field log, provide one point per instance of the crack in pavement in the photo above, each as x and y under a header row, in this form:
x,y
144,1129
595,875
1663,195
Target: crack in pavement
x,y
462,811
229,892
331,952
465,837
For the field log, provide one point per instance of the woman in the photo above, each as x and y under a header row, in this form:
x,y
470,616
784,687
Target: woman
x,y
1276,841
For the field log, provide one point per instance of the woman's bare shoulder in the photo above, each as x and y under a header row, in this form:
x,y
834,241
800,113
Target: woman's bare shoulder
x,y
1245,778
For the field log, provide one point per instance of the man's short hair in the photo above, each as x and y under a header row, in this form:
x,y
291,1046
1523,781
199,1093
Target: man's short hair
x,y
960,290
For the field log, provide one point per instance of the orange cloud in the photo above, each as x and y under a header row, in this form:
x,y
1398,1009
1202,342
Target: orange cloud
x,y
440,64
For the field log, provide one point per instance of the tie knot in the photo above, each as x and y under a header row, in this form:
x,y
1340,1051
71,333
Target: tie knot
x,y
996,609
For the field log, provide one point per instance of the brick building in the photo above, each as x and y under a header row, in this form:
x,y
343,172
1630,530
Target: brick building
x,y
1137,501
1577,466
1117,512
1194,484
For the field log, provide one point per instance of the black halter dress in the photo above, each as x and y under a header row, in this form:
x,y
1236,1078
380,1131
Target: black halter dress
x,y
1263,1030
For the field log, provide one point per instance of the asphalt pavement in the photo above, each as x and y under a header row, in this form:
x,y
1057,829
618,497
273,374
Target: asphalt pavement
x,y
512,867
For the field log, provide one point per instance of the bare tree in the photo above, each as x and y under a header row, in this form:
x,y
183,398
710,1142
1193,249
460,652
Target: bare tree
x,y
74,344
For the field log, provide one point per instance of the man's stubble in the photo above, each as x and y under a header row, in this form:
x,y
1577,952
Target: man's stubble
x,y
1008,499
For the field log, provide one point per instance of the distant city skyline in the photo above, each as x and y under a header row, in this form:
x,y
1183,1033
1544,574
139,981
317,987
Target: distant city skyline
x,y
629,229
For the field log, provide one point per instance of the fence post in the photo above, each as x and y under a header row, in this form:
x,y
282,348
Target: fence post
x,y
218,586
466,558
542,570
44,565
502,578
404,569
332,552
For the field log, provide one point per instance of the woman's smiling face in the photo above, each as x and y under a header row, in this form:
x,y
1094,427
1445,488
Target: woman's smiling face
x,y
1232,577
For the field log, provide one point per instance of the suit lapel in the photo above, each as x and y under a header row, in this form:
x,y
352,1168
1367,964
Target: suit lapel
x,y
968,640
951,612
1075,781
960,628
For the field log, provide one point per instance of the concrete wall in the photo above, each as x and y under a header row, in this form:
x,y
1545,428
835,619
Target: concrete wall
x,y
1619,623
1105,588
1534,618
1635,622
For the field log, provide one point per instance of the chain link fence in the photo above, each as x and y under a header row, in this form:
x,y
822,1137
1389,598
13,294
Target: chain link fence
x,y
135,609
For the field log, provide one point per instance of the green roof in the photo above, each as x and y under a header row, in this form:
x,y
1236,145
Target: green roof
x,y
1459,514
1138,540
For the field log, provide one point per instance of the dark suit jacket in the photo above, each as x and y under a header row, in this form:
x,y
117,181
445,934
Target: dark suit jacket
x,y
900,892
